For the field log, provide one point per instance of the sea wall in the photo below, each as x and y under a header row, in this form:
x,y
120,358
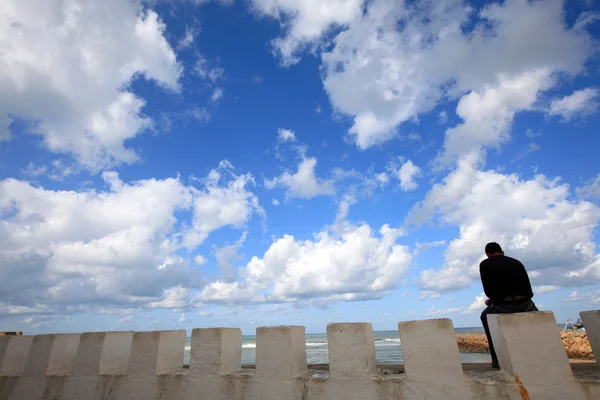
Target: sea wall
x,y
149,365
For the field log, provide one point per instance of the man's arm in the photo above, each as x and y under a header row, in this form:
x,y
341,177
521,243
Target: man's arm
x,y
486,280
526,281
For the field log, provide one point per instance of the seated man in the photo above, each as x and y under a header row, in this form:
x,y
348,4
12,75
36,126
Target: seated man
x,y
506,284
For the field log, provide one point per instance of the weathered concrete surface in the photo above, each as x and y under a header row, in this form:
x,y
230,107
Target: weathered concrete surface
x,y
15,355
591,322
154,359
530,350
431,357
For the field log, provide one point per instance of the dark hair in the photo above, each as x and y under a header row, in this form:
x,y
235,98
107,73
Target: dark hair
x,y
492,248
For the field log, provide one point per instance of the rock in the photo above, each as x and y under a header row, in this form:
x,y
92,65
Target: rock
x,y
576,344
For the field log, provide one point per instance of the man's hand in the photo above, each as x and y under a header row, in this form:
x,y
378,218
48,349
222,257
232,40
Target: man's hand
x,y
487,302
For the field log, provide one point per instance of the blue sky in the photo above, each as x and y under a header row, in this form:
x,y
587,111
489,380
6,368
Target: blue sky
x,y
180,164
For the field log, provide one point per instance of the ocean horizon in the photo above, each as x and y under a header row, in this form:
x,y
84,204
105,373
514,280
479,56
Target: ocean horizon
x,y
388,348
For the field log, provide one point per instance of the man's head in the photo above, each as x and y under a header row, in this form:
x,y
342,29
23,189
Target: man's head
x,y
493,249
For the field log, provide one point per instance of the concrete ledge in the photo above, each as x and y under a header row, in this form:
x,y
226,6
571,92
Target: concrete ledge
x,y
429,349
148,365
62,355
16,355
116,352
591,322
157,352
280,351
351,350
39,355
215,351
530,350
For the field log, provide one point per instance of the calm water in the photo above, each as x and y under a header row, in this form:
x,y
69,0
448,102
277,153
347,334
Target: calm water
x,y
388,348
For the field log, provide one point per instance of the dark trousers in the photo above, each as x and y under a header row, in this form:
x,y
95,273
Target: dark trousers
x,y
503,309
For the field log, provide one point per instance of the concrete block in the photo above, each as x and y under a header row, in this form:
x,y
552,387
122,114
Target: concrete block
x,y
16,355
103,353
215,351
529,346
62,355
591,322
351,350
116,353
280,351
39,355
157,352
87,360
430,350
3,345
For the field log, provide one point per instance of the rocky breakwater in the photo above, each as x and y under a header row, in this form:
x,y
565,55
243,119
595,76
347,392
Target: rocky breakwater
x,y
576,344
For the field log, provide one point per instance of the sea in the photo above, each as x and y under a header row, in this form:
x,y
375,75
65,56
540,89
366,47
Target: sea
x,y
388,348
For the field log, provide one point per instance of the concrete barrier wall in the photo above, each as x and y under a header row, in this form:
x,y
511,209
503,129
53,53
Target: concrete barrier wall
x,y
149,365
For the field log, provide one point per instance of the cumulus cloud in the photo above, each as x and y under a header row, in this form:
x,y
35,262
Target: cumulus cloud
x,y
591,190
534,220
227,256
357,264
67,67
488,114
477,306
217,95
303,183
582,102
407,174
286,135
590,297
224,201
120,247
409,56
544,289
305,21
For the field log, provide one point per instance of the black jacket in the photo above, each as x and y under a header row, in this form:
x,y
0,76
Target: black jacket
x,y
504,278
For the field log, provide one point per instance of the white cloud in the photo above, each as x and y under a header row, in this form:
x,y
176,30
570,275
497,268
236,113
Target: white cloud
x,y
534,220
590,297
126,319
176,297
358,264
399,59
68,66
544,289
407,174
219,205
275,202
188,38
200,260
286,135
435,312
34,171
118,246
582,102
344,206
591,190
217,95
226,257
182,317
306,21
204,313
204,71
488,115
477,306
422,247
303,183
443,117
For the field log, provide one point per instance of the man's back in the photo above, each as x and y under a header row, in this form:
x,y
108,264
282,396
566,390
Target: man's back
x,y
504,277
